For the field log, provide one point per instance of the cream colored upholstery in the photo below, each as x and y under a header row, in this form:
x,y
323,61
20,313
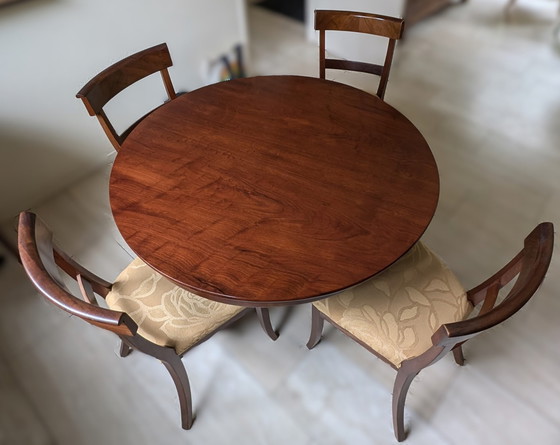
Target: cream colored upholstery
x,y
165,313
397,311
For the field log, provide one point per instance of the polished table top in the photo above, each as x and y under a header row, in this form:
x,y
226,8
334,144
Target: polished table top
x,y
273,190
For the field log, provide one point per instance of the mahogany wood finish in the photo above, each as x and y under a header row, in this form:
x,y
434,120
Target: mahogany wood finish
x,y
273,190
39,260
528,267
107,84
380,25
43,261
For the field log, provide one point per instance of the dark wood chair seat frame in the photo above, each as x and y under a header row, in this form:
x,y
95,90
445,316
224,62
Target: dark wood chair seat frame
x,y
111,81
530,266
361,22
42,261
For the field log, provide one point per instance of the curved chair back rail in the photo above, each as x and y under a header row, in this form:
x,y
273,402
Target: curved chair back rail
x,y
361,22
114,79
39,260
530,266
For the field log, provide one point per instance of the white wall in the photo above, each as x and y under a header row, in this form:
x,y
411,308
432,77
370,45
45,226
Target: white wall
x,y
50,48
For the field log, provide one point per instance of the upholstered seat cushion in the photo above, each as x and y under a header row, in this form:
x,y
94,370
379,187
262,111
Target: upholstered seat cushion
x,y
397,311
165,313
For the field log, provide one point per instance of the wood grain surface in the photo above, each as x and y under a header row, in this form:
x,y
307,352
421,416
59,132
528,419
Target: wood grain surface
x,y
273,190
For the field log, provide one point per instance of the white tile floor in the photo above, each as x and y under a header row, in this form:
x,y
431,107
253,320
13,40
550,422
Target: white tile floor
x,y
486,96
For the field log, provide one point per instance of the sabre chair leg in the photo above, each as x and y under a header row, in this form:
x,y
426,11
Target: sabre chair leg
x,y
317,322
458,355
179,375
176,369
124,350
264,319
400,390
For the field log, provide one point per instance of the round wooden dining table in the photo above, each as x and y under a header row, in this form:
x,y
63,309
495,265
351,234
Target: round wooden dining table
x,y
273,190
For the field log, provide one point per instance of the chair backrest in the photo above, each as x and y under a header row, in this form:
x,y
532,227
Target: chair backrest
x,y
361,22
529,266
111,81
43,261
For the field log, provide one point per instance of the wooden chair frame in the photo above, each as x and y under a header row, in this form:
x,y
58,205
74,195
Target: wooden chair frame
x,y
361,22
530,266
111,81
42,261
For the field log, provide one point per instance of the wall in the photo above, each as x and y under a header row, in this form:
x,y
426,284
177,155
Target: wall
x,y
50,48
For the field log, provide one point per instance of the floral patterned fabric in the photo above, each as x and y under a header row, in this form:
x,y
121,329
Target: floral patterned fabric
x,y
165,313
397,311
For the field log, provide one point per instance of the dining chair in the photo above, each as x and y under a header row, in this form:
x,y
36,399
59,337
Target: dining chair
x,y
111,81
361,22
145,310
416,311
